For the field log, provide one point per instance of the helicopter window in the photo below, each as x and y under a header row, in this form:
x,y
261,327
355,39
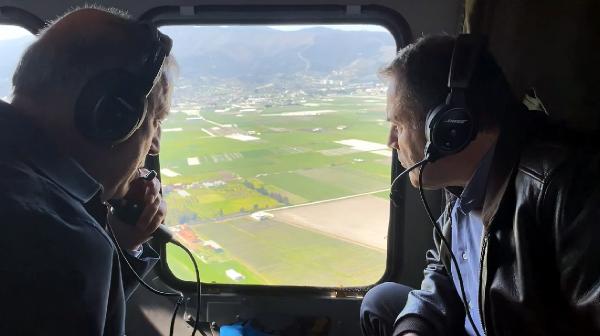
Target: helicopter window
x,y
13,41
273,158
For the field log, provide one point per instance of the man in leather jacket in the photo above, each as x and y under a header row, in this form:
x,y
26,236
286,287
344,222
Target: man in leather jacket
x,y
523,202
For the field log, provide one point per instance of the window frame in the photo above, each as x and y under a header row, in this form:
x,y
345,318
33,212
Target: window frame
x,y
17,17
393,21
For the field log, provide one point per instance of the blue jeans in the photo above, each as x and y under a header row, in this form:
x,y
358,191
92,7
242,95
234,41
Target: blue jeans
x,y
380,307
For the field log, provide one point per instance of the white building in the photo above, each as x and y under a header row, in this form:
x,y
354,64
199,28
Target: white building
x,y
234,275
261,215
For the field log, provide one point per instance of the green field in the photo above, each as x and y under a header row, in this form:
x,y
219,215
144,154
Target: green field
x,y
271,247
294,159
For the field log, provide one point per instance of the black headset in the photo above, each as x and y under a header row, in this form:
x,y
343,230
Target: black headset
x,y
112,105
450,126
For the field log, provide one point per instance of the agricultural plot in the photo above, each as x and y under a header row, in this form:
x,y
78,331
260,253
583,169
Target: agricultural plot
x,y
218,168
276,253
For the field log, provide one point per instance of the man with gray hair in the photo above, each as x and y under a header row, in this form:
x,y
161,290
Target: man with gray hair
x,y
89,98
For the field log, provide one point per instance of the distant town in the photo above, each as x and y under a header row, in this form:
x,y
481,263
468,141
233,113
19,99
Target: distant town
x,y
232,97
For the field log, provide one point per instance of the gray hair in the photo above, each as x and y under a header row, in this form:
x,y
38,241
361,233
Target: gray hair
x,y
62,66
159,100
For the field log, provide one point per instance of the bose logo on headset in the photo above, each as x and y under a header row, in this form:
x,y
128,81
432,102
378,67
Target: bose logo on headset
x,y
453,121
450,126
112,105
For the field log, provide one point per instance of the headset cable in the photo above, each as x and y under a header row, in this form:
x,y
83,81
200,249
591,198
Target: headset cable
x,y
164,235
452,256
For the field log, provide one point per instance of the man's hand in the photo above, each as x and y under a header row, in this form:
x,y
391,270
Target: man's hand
x,y
146,193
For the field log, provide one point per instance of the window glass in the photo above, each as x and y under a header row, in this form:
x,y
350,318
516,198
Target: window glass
x,y
13,41
274,159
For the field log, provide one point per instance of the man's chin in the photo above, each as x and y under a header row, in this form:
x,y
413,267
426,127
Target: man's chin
x,y
120,191
123,188
427,185
414,178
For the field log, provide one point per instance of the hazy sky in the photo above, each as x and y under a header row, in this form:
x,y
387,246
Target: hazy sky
x,y
354,27
11,32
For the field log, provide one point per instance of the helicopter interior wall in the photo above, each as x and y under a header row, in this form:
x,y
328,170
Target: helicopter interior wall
x,y
556,43
149,315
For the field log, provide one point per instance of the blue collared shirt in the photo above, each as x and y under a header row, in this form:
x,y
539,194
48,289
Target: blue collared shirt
x,y
467,230
61,274
436,302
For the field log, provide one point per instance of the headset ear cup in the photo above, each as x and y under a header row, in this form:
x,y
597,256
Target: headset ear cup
x,y
109,108
449,130
450,127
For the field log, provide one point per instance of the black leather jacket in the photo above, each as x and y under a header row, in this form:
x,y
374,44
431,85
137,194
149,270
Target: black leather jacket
x,y
540,255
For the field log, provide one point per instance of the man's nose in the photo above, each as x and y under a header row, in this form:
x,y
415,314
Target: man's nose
x,y
393,138
154,147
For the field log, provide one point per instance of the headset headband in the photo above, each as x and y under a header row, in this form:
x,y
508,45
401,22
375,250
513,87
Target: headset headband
x,y
112,105
465,57
450,126
161,46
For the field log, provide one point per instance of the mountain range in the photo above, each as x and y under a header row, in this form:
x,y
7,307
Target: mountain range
x,y
258,54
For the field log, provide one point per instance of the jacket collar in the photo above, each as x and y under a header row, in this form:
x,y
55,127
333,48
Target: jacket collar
x,y
506,159
473,194
20,134
66,173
